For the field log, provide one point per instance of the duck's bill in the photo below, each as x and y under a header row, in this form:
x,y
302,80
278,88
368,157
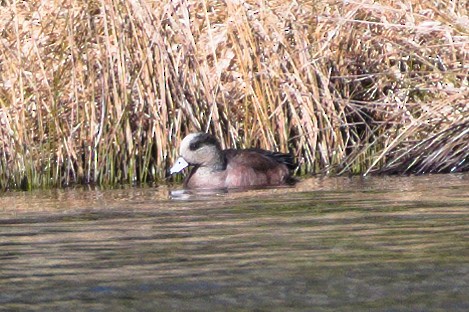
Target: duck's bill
x,y
178,165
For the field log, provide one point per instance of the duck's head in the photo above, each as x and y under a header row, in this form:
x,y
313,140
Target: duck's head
x,y
198,149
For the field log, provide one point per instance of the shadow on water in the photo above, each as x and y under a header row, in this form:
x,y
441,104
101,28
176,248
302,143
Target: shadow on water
x,y
335,244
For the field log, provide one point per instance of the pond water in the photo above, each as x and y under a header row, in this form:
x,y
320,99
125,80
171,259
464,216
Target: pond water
x,y
331,244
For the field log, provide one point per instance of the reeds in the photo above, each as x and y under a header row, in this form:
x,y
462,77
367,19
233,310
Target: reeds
x,y
102,91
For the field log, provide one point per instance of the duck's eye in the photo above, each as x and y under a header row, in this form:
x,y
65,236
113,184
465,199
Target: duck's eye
x,y
194,146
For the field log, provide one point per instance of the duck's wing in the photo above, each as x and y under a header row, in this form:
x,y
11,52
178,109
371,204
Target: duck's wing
x,y
283,158
259,159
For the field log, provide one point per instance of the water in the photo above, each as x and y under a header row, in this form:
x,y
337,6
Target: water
x,y
341,244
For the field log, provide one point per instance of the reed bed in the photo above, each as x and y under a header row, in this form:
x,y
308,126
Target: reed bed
x,y
103,91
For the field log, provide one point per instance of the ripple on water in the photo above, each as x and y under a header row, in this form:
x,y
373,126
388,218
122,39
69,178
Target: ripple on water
x,y
392,243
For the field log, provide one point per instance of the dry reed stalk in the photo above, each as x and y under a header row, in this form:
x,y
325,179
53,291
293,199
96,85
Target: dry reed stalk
x,y
103,91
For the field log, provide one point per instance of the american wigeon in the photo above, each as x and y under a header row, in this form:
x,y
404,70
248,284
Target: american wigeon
x,y
215,168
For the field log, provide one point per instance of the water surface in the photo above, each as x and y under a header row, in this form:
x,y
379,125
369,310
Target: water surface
x,y
335,244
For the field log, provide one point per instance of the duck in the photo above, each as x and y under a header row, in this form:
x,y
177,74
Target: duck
x,y
215,168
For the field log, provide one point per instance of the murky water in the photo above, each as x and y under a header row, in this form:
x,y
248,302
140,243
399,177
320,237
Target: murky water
x,y
376,244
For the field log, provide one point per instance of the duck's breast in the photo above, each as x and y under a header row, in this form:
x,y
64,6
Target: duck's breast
x,y
205,178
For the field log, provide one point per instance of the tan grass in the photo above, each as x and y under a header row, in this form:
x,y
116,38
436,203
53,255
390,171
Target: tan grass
x,y
102,91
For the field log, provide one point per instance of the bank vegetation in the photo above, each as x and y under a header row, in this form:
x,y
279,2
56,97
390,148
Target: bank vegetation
x,y
103,91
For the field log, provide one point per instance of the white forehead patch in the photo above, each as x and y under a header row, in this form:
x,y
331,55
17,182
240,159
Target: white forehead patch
x,y
186,142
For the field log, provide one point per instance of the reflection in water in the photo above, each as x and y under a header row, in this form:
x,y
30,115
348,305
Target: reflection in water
x,y
387,243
